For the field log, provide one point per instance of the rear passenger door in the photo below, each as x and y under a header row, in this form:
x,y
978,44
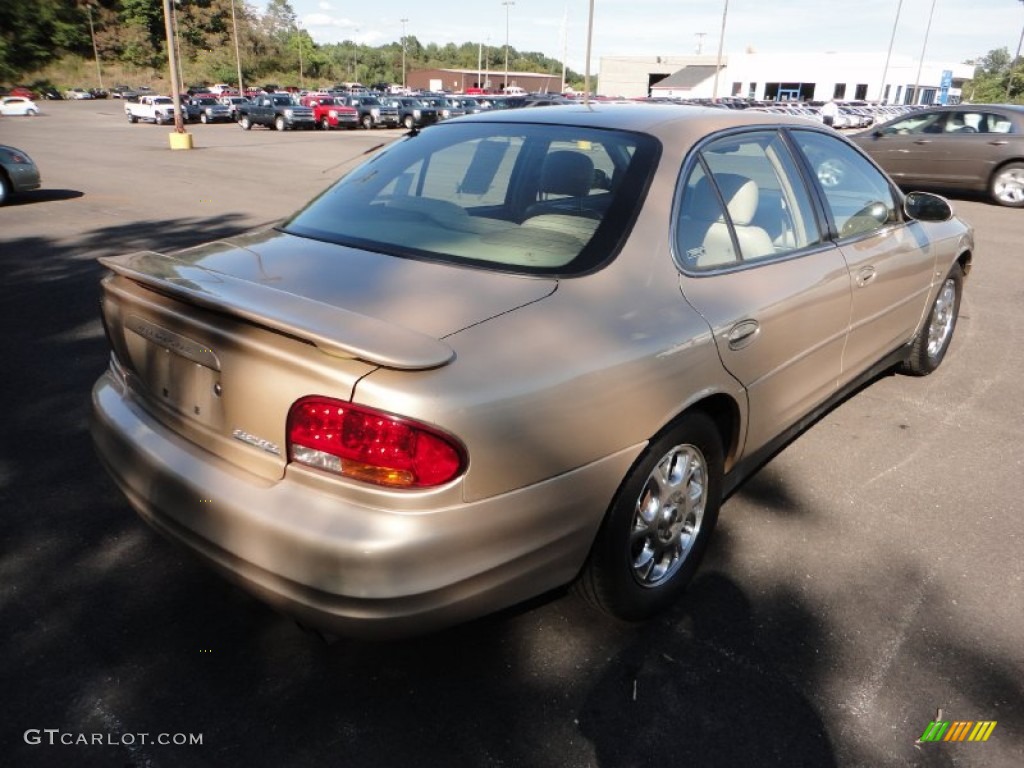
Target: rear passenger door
x,y
756,263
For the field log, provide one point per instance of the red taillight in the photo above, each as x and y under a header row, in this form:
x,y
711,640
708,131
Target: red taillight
x,y
369,445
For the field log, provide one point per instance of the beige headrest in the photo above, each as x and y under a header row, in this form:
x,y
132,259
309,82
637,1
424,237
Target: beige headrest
x,y
741,197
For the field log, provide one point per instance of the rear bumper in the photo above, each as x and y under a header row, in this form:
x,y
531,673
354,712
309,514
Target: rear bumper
x,y
354,567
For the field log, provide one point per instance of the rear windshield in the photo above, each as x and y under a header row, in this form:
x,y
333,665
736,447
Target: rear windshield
x,y
535,199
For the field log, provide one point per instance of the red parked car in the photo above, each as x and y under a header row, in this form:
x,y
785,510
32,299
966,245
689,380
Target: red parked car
x,y
330,112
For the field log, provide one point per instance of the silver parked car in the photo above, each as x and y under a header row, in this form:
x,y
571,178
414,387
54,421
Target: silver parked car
x,y
514,351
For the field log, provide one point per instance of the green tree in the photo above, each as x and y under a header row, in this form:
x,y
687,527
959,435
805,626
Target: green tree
x,y
997,78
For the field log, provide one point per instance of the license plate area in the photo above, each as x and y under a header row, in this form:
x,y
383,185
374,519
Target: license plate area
x,y
177,382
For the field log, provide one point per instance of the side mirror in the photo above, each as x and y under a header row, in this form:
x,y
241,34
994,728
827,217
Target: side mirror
x,y
924,206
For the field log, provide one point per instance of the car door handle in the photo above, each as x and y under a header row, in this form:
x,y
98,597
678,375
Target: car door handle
x,y
865,276
998,142
923,141
743,333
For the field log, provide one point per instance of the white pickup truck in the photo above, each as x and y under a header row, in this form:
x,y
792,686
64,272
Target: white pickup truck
x,y
157,109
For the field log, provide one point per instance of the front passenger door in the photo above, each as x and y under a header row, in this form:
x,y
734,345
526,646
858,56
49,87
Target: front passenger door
x,y
890,269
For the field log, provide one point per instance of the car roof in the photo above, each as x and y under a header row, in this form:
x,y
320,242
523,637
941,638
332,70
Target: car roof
x,y
667,121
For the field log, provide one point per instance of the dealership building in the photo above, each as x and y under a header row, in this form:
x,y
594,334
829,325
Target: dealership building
x,y
786,77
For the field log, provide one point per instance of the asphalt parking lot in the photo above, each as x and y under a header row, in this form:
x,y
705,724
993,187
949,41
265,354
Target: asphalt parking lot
x,y
867,577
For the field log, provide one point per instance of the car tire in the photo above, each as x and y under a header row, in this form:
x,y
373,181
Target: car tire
x,y
31,112
367,122
325,124
409,122
279,123
658,526
204,119
5,188
1007,185
132,118
246,123
929,346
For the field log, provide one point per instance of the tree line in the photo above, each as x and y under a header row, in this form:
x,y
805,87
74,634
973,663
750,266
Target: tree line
x,y
35,33
998,78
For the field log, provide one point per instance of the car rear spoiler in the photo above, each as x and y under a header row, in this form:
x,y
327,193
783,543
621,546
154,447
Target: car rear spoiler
x,y
334,331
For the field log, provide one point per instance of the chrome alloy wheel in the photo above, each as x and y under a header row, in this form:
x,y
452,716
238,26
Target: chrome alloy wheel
x,y
1008,186
668,515
940,325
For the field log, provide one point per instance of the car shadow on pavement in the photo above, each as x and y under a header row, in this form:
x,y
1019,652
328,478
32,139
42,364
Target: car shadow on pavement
x,y
42,196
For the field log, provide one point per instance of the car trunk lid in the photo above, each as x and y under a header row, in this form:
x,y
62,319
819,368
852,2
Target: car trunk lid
x,y
220,340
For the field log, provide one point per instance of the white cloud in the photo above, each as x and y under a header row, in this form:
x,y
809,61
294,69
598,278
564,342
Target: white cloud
x,y
325,6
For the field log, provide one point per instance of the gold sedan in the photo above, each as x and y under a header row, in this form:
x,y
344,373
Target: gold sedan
x,y
513,351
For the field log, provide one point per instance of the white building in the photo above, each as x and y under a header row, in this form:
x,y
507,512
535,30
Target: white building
x,y
784,77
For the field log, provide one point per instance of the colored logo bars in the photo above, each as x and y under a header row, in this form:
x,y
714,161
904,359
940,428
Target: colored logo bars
x,y
958,730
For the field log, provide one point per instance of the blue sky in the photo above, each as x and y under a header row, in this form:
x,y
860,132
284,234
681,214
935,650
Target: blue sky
x,y
961,29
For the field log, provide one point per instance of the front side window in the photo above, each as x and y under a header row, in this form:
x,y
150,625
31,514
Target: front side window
x,y
527,198
743,200
857,194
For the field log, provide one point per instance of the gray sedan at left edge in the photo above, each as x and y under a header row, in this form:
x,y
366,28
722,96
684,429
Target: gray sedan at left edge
x,y
18,173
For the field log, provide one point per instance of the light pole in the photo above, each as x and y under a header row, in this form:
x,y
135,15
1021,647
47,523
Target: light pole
x,y
177,42
590,40
721,42
507,4
920,64
355,54
1019,42
95,50
888,56
404,22
179,125
238,54
298,36
1016,58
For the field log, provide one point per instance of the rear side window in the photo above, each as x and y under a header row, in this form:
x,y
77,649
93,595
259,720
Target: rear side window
x,y
544,199
744,200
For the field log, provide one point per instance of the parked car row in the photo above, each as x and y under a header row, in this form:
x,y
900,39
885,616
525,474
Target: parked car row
x,y
972,147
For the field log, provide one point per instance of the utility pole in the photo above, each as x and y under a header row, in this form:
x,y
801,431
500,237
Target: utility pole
x,y
508,4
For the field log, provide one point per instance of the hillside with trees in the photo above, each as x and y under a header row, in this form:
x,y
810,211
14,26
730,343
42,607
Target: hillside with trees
x,y
50,40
